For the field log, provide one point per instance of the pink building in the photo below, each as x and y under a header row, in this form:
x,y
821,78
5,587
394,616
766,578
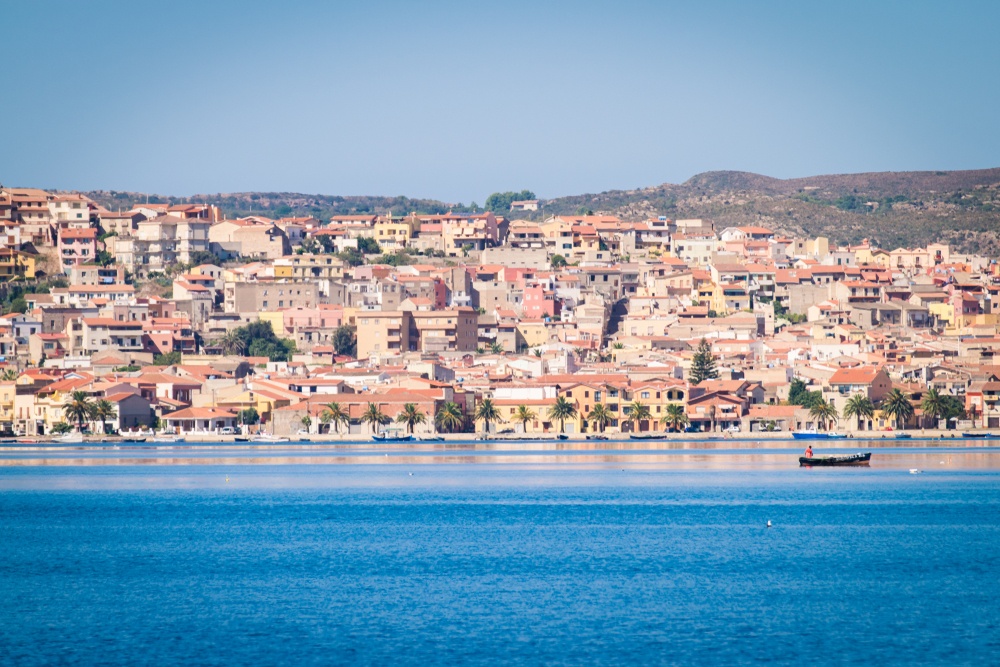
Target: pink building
x,y
539,303
77,246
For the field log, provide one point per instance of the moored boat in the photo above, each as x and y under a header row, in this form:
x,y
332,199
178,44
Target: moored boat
x,y
68,437
646,436
562,436
388,437
859,459
430,438
133,440
264,437
596,436
978,436
902,436
813,434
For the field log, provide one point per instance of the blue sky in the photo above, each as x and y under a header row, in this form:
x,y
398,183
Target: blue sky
x,y
455,100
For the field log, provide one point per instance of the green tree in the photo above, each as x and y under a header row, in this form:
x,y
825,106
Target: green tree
x,y
168,359
8,375
61,427
374,417
824,413
334,413
860,407
103,411
499,202
557,262
898,406
232,343
345,340
703,364
351,257
449,417
562,410
79,408
306,422
248,416
18,305
524,414
369,246
411,416
487,413
601,416
636,411
675,417
496,348
933,405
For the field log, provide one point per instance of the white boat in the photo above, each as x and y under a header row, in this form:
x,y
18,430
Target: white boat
x,y
68,437
264,437
167,438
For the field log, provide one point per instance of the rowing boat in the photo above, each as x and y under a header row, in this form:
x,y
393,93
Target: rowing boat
x,y
859,459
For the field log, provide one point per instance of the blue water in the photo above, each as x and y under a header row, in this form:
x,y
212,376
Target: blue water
x,y
333,565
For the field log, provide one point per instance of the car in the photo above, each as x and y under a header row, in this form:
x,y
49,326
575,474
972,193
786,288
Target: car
x,y
692,429
227,430
732,429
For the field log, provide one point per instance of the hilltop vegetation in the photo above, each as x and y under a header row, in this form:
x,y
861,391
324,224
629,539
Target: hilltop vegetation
x,y
893,208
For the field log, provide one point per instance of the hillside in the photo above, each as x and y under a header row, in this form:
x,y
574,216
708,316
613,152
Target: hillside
x,y
892,208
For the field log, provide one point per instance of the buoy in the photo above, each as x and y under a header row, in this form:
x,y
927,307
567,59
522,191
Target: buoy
x,y
768,524
411,474
227,479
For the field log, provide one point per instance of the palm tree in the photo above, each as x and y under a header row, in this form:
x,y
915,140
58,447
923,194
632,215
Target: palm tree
x,y
562,410
601,415
713,410
487,412
618,346
636,412
496,348
411,416
307,422
524,415
449,417
103,411
231,343
824,413
79,408
973,411
861,407
933,405
538,353
897,405
332,412
374,417
9,375
675,417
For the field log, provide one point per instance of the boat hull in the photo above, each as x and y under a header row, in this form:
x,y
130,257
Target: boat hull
x,y
861,459
392,438
809,435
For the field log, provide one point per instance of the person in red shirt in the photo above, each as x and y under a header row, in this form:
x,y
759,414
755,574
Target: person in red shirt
x,y
809,451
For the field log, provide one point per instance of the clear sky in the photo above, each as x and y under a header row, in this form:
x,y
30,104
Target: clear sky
x,y
455,100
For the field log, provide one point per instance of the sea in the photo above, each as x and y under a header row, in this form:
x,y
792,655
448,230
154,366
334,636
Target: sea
x,y
568,554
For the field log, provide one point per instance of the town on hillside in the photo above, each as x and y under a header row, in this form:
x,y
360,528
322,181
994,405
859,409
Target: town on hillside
x,y
175,319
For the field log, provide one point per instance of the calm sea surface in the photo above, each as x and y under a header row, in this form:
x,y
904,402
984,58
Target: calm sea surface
x,y
596,563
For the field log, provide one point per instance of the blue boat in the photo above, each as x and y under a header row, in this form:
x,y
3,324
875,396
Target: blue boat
x,y
387,437
813,434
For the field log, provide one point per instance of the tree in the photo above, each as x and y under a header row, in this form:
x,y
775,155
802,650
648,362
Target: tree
x,y
933,405
860,407
8,375
248,416
562,410
332,412
675,418
369,246
411,416
703,364
636,412
103,411
487,413
232,343
496,348
345,340
374,417
600,415
824,413
79,408
558,261
798,394
897,406
449,417
306,422
524,414
18,305
168,359
61,427
351,257
499,202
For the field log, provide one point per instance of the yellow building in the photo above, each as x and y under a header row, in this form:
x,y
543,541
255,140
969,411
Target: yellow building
x,y
533,333
8,390
16,264
394,233
308,267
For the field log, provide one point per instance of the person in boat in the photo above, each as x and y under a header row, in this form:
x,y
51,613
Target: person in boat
x,y
809,451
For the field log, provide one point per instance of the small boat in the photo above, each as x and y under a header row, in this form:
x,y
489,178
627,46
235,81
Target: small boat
x,y
133,439
430,438
166,439
902,436
264,437
646,436
813,434
596,436
978,436
388,437
562,436
859,459
68,437
241,438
